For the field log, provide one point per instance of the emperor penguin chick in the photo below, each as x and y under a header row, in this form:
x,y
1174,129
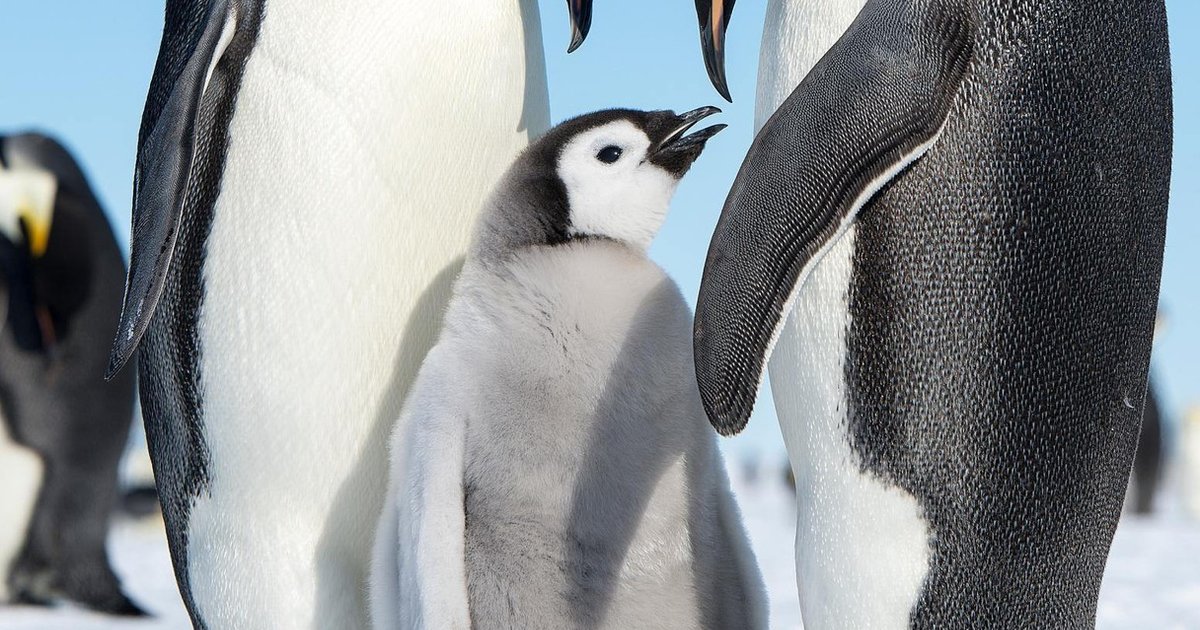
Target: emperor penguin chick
x,y
553,466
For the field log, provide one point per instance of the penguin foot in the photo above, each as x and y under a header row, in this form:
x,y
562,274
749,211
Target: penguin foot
x,y
118,605
99,590
33,586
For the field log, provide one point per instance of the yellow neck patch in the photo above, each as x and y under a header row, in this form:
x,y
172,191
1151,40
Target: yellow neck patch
x,y
27,196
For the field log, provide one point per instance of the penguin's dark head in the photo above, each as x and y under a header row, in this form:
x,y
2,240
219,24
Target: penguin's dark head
x,y
610,174
714,18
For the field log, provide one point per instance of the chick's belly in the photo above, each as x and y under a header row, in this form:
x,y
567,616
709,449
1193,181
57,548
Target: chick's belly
x,y
582,526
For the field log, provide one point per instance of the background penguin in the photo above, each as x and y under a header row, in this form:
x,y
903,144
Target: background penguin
x,y
985,185
1148,459
1189,462
62,427
553,467
306,179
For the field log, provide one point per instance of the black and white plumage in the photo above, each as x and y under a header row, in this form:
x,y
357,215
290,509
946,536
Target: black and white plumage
x,y
965,201
553,467
307,177
63,428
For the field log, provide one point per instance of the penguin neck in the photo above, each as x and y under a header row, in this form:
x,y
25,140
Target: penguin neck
x,y
82,232
797,34
527,210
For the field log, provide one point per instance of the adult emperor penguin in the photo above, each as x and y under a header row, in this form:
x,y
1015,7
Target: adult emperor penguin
x,y
554,467
964,201
306,180
62,427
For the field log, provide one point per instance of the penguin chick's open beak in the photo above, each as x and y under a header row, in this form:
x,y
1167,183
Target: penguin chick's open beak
x,y
581,22
674,151
714,18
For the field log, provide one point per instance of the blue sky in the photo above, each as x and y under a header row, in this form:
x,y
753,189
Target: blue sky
x,y
79,69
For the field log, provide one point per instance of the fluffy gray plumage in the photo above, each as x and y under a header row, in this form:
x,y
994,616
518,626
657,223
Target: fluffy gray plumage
x,y
560,413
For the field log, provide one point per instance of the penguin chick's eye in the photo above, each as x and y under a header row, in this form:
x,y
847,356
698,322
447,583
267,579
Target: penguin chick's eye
x,y
609,154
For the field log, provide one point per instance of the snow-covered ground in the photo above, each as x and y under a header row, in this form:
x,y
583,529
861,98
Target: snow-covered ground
x,y
1153,578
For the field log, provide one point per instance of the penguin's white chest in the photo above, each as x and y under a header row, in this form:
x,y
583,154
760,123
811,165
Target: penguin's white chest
x,y
20,479
1189,462
359,152
862,547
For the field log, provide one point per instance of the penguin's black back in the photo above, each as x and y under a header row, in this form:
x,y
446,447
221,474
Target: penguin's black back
x,y
1001,303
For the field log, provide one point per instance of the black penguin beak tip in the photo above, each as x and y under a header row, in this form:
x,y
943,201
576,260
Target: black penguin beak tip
x,y
702,136
722,87
714,61
679,139
723,90
581,22
576,41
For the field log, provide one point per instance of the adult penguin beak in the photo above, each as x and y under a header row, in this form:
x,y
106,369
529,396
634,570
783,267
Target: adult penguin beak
x,y
714,18
581,22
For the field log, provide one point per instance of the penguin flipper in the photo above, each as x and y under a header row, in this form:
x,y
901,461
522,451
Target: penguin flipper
x,y
172,132
873,105
418,569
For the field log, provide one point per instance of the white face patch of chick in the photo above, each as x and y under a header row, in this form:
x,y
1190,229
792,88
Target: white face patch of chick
x,y
625,199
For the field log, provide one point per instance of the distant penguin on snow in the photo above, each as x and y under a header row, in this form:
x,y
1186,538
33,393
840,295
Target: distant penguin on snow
x,y
553,467
62,427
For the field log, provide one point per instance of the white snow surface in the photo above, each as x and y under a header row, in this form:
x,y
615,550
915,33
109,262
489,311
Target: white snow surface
x,y
1153,577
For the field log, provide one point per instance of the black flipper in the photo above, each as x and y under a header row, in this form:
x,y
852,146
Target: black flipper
x,y
166,156
874,104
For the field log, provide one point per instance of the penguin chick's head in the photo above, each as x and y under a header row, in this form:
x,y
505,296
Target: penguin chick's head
x,y
620,168
609,174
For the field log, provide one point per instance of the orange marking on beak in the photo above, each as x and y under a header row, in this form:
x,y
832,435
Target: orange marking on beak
x,y
715,19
